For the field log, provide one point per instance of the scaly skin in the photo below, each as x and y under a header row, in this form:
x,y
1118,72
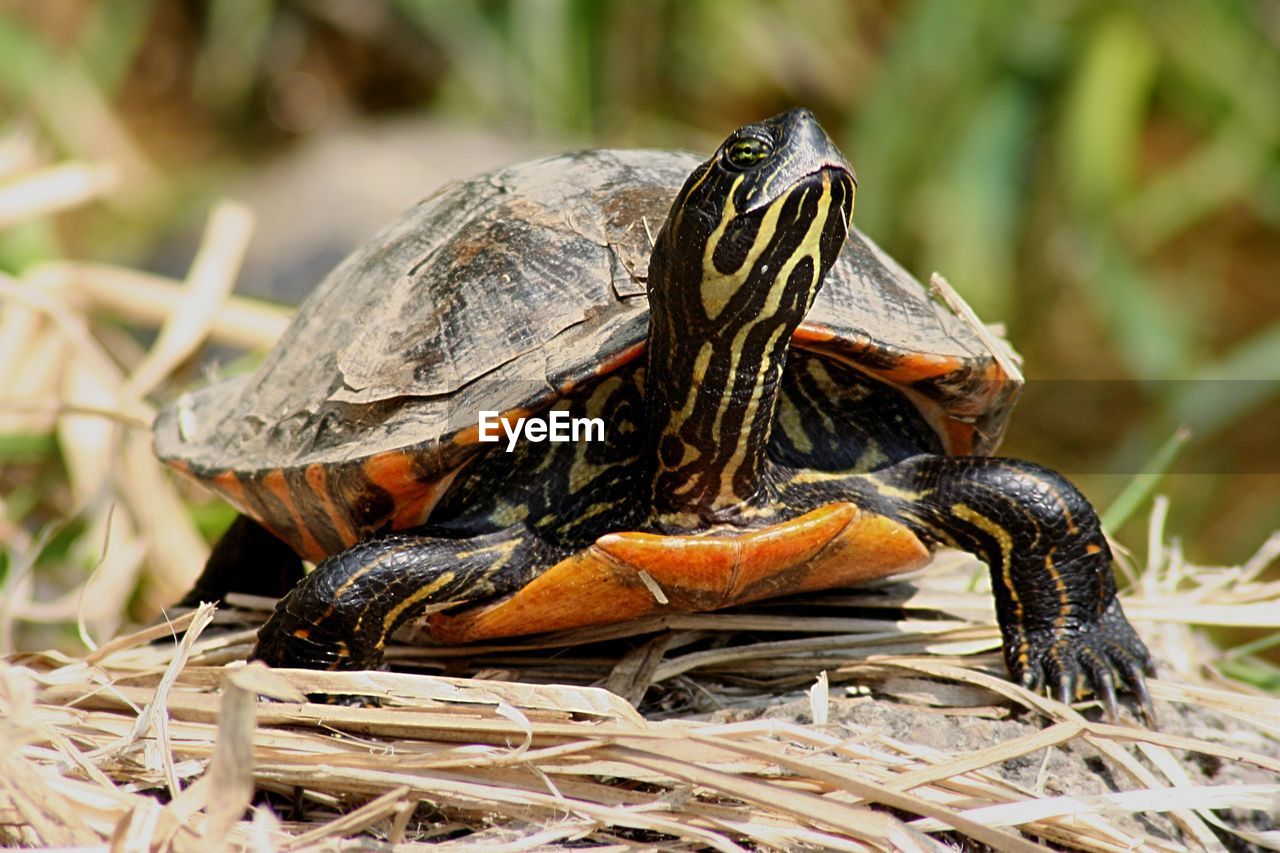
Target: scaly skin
x,y
719,432
341,615
1049,560
1062,624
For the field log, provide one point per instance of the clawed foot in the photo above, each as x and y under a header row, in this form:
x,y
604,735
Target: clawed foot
x,y
1094,657
286,640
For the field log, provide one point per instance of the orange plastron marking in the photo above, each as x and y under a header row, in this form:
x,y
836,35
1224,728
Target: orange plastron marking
x,y
835,545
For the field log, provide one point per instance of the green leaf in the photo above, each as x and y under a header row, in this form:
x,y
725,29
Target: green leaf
x,y
232,56
1253,671
1105,111
1153,334
1231,387
1140,489
27,243
23,58
212,519
552,64
971,218
26,446
936,67
110,38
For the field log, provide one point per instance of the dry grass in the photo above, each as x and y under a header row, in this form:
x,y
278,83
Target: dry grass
x,y
165,743
146,743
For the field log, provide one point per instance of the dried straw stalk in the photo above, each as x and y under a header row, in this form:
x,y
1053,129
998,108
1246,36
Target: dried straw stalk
x,y
148,740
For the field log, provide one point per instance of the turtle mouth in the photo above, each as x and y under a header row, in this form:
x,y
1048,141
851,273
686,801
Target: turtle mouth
x,y
836,165
836,179
841,173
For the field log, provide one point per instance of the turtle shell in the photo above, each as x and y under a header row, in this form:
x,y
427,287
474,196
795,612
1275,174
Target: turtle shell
x,y
501,293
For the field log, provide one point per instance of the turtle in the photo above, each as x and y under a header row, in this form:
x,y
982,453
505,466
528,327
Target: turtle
x,y
770,405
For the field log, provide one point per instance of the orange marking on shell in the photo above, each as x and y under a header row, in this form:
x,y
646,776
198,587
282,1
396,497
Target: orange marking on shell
x,y
921,365
412,499
769,554
871,546
394,472
587,588
695,572
995,383
834,545
229,486
812,333
957,435
305,544
618,359
318,482
958,440
910,367
225,484
415,512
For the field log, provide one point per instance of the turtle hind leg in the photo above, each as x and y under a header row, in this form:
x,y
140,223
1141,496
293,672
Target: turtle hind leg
x,y
1062,624
247,559
341,615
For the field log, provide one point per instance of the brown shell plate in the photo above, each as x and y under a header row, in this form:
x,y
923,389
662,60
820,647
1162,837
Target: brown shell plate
x,y
499,293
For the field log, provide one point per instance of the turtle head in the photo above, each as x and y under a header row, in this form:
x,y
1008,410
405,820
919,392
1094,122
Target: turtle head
x,y
757,226
733,272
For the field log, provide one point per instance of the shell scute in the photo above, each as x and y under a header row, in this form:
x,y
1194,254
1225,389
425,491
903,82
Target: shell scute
x,y
502,293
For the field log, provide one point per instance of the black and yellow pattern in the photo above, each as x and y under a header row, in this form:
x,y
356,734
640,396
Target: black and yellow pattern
x,y
735,430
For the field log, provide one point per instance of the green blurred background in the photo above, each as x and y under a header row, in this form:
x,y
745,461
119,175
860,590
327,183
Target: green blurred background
x,y
1103,177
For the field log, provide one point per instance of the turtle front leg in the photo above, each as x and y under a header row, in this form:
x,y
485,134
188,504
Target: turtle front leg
x,y
340,616
1050,567
1050,564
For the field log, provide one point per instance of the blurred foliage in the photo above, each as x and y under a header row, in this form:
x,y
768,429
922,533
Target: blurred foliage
x,y
1102,176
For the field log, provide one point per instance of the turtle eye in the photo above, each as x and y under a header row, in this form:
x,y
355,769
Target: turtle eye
x,y
747,152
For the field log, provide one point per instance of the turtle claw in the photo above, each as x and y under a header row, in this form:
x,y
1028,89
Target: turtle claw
x,y
1104,684
1134,676
1095,657
1066,687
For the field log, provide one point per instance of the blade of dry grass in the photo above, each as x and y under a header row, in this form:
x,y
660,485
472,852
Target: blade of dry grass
x,y
996,344
1159,800
352,822
883,795
391,686
1007,751
148,299
634,672
209,281
54,189
33,294
231,769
